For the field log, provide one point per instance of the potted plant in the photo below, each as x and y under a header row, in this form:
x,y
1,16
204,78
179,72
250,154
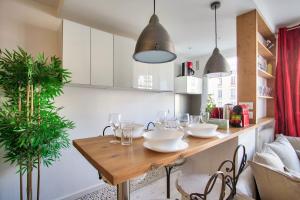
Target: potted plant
x,y
31,130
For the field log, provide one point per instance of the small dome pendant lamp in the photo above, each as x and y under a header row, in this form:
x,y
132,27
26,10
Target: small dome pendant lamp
x,y
154,44
217,65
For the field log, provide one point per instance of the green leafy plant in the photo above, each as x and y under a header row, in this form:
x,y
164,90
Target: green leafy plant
x,y
31,130
210,103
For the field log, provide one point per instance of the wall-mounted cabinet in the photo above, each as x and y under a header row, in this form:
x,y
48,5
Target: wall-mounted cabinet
x,y
101,59
123,61
159,77
76,51
188,85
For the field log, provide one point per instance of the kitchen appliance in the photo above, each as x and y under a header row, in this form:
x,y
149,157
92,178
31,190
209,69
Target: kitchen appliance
x,y
239,116
187,69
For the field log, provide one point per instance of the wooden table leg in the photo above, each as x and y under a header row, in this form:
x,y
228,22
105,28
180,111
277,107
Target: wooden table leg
x,y
123,191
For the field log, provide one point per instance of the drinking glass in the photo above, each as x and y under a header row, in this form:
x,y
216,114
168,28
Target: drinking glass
x,y
161,117
114,121
126,133
195,119
184,119
204,117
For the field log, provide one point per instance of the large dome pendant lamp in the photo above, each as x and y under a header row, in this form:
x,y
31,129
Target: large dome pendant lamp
x,y
217,65
154,44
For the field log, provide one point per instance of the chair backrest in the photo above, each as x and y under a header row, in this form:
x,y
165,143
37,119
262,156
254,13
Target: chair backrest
x,y
209,187
103,132
232,170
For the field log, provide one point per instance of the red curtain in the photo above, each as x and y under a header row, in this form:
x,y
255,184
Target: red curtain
x,y
287,83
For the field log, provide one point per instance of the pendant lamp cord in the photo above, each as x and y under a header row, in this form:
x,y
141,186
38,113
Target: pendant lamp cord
x,y
216,35
154,6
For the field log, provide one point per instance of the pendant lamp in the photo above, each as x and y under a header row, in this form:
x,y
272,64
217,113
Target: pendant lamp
x,y
217,65
154,44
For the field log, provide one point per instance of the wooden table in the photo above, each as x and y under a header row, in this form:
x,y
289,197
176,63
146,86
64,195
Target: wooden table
x,y
118,164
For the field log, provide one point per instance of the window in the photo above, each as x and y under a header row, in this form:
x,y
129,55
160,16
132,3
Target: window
x,y
232,93
220,82
233,80
219,94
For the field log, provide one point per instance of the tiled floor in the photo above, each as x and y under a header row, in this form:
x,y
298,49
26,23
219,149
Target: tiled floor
x,y
157,190
153,191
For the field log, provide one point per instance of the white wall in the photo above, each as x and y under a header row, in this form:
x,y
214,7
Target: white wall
x,y
34,27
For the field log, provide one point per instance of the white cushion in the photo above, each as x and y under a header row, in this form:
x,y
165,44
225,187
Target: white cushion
x,y
274,184
295,141
292,173
282,147
196,183
269,157
246,184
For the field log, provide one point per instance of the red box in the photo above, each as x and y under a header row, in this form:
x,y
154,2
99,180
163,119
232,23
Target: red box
x,y
245,120
245,109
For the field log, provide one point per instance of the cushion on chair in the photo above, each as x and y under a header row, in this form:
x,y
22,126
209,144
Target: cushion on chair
x,y
292,173
270,158
282,147
294,141
246,184
274,184
196,183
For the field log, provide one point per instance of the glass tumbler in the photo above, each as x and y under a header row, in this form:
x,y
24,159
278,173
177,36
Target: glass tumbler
x,y
126,135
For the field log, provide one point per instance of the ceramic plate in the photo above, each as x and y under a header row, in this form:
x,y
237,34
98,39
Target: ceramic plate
x,y
166,149
203,135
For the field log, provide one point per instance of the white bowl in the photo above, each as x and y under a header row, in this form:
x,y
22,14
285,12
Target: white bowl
x,y
137,131
163,137
200,129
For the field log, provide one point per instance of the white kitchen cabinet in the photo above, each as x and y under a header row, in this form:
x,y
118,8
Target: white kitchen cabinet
x,y
166,76
157,77
102,58
76,51
141,78
123,62
188,85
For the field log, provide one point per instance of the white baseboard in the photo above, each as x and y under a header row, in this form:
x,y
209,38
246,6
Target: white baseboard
x,y
82,192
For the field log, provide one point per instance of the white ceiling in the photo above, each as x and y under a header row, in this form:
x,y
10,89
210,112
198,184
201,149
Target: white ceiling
x,y
190,23
280,13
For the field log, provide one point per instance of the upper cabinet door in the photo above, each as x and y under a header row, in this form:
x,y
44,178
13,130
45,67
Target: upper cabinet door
x,y
102,58
123,62
162,76
76,51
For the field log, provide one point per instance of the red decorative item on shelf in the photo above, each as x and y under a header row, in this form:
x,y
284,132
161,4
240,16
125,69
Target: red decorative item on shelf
x,y
245,115
216,113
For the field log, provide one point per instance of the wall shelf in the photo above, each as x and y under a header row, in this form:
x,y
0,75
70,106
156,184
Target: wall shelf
x,y
265,97
250,26
264,74
264,51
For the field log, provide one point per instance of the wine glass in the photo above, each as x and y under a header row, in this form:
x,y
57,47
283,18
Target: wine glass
x,y
204,117
161,117
184,119
115,121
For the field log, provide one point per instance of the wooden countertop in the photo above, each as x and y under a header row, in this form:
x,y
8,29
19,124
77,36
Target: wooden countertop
x,y
119,163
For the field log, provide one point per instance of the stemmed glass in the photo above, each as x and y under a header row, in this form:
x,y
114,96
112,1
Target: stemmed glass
x,y
161,117
184,119
115,122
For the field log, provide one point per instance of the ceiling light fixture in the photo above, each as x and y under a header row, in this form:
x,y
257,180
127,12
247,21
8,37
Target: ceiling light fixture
x,y
217,65
154,44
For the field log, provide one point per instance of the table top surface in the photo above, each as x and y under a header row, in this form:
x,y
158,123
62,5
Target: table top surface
x,y
118,163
